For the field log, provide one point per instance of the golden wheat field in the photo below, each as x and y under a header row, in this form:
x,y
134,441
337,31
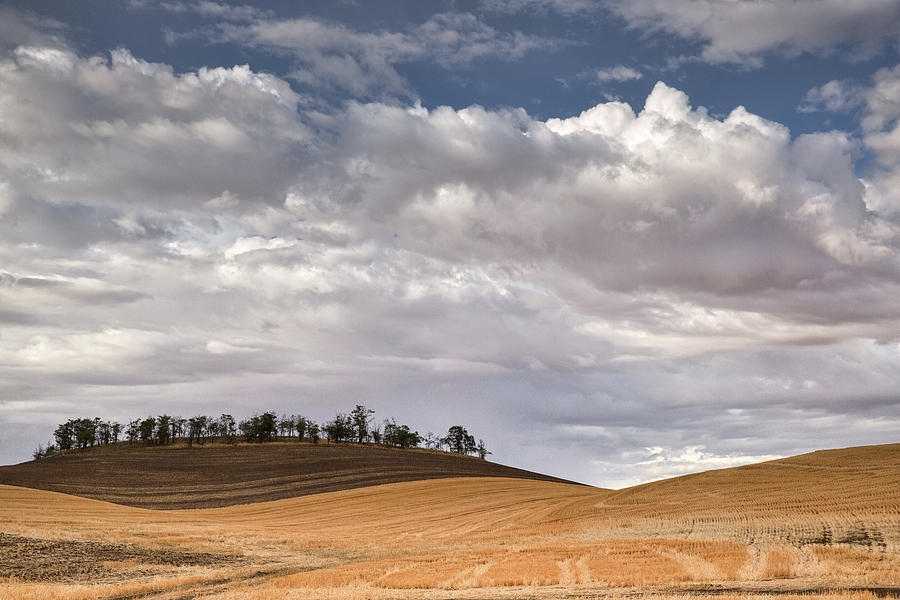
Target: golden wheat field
x,y
821,525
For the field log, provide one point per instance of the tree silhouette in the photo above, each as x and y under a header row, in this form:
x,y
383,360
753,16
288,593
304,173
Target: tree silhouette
x,y
165,429
339,429
133,432
400,436
147,427
459,440
359,419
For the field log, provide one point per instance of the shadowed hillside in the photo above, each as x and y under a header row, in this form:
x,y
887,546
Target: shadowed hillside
x,y
172,477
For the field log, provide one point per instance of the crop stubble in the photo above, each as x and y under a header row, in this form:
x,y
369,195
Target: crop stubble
x,y
827,522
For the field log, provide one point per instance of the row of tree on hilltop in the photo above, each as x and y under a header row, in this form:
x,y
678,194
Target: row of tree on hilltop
x,y
357,426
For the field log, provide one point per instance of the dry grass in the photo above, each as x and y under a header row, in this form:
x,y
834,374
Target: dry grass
x,y
779,564
822,521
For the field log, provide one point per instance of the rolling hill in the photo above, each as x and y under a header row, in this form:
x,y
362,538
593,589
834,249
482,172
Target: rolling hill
x,y
174,477
822,525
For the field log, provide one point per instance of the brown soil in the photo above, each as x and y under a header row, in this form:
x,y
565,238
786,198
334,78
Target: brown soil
x,y
33,559
212,475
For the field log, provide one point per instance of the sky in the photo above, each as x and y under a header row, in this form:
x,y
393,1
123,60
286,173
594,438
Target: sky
x,y
617,241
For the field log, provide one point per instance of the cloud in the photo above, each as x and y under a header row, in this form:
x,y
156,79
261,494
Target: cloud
x,y
879,112
746,31
218,347
617,73
658,462
567,8
331,56
609,183
18,27
881,136
205,8
104,132
835,96
205,241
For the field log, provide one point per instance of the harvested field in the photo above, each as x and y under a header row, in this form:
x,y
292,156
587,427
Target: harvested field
x,y
734,533
173,477
33,559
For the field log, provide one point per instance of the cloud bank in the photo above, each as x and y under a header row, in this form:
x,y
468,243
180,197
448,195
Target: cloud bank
x,y
627,278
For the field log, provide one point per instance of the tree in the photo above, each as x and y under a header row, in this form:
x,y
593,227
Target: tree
x,y
375,434
104,431
147,428
116,429
227,427
314,431
43,451
482,450
196,427
359,419
250,429
212,429
339,429
65,435
286,426
301,424
268,426
85,432
260,428
400,436
459,440
134,430
163,429
177,426
432,441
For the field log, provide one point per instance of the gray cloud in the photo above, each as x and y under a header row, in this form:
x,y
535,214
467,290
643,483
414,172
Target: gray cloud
x,y
712,289
746,31
564,7
834,96
879,111
333,57
205,8
19,27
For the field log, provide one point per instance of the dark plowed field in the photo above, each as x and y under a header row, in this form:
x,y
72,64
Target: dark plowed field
x,y
31,559
206,476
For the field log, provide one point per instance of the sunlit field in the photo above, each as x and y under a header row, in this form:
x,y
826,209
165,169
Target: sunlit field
x,y
826,524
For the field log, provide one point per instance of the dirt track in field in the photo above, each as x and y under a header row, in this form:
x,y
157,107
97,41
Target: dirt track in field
x,y
213,475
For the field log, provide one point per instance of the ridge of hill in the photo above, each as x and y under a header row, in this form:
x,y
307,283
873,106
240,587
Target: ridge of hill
x,y
829,479
214,475
814,498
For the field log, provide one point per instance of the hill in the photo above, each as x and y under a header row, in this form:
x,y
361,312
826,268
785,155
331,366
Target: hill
x,y
824,525
817,497
177,477
827,481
